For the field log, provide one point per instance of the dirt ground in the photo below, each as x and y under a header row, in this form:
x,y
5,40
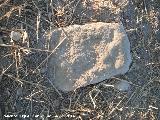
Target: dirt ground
x,y
26,92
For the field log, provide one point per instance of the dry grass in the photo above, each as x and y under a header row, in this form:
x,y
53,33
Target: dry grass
x,y
24,85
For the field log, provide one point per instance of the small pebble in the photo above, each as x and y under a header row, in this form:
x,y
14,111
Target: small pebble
x,y
122,85
15,36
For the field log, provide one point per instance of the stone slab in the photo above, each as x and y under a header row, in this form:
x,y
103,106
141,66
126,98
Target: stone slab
x,y
88,54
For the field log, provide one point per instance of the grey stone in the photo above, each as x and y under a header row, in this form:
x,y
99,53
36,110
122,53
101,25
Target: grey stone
x,y
123,85
16,36
87,54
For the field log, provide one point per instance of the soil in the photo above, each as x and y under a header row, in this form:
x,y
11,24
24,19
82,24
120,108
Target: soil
x,y
26,91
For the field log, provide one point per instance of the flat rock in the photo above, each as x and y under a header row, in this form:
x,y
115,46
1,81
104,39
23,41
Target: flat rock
x,y
87,54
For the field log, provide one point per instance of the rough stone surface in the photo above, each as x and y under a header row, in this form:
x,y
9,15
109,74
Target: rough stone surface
x,y
89,54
